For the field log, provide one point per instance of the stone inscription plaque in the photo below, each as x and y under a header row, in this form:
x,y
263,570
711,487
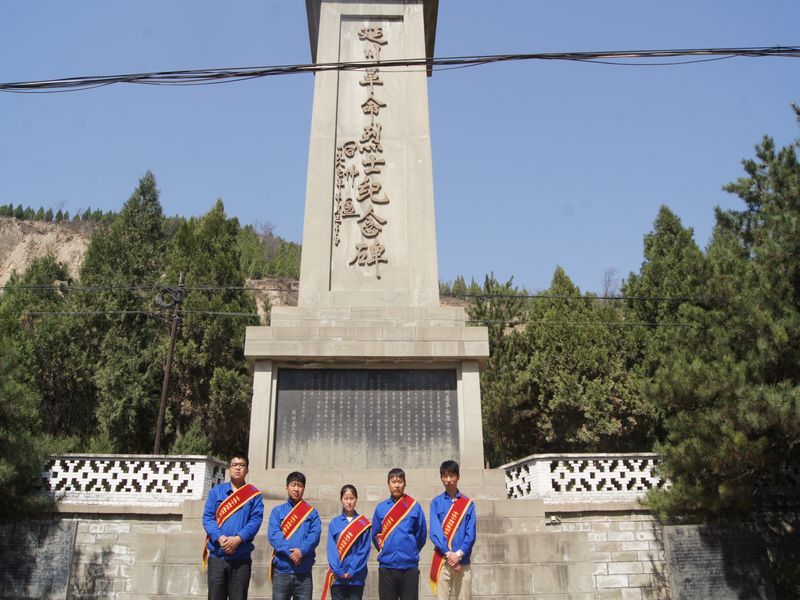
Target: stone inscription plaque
x,y
712,563
366,418
36,558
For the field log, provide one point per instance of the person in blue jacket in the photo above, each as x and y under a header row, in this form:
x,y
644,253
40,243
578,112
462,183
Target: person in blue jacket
x,y
230,544
456,577
294,555
351,571
399,544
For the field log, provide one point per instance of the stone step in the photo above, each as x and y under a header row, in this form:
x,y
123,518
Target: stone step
x,y
526,509
504,566
273,481
490,548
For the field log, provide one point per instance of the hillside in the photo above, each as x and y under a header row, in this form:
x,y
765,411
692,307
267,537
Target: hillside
x,y
21,241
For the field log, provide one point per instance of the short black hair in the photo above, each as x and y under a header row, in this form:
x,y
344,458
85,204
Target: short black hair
x,y
241,455
396,472
295,476
348,487
449,466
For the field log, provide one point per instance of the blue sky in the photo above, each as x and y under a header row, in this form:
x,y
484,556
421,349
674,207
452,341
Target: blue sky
x,y
535,164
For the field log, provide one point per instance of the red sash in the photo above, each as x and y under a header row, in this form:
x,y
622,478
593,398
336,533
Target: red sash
x,y
345,543
229,506
450,525
290,524
393,518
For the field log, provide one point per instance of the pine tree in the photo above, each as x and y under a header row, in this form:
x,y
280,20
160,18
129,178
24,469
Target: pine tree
x,y
210,381
22,445
124,262
732,381
562,375
33,319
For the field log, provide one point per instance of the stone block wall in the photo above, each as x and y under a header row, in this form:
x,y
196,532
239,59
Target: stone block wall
x,y
105,549
626,552
580,556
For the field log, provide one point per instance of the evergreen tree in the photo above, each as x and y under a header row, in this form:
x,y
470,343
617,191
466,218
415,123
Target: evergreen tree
x,y
252,251
286,260
671,277
32,320
210,382
563,378
731,381
123,262
459,286
22,445
48,215
498,309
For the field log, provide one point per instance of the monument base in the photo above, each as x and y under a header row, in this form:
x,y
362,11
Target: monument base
x,y
364,387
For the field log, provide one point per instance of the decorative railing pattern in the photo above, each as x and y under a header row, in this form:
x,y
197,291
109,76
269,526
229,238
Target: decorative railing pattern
x,y
584,478
130,479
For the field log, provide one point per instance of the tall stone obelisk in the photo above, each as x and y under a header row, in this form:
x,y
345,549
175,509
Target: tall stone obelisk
x,y
368,370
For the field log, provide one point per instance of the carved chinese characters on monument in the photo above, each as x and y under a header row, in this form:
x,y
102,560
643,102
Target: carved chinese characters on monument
x,y
359,164
359,418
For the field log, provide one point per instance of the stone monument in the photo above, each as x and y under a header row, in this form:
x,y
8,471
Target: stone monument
x,y
369,370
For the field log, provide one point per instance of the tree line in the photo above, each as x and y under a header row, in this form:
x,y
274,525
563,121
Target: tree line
x,y
696,357
82,362
58,216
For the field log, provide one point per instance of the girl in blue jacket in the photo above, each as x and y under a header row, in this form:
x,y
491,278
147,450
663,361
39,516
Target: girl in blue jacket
x,y
349,570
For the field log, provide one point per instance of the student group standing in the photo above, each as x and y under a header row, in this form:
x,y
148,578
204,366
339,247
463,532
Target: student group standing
x,y
398,531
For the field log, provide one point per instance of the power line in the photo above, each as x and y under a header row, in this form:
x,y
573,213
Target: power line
x,y
518,323
507,323
246,288
225,75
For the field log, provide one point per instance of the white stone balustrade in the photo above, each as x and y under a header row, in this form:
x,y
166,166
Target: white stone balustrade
x,y
129,479
584,478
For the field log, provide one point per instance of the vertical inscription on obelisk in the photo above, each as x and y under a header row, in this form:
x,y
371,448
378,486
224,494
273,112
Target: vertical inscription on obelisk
x,y
359,164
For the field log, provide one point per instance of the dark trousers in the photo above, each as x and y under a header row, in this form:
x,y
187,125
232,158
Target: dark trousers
x,y
288,586
228,579
347,592
398,584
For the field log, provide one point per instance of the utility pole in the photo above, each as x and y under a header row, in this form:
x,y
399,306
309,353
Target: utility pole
x,y
176,297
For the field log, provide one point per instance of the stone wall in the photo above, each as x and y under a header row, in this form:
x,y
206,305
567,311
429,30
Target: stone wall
x,y
626,552
578,556
105,550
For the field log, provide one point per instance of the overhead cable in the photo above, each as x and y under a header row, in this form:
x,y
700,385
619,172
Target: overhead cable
x,y
225,75
249,288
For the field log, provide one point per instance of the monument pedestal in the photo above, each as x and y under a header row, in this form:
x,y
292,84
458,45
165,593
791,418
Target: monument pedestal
x,y
366,387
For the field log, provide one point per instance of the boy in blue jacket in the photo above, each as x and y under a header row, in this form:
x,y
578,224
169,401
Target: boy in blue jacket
x,y
294,532
232,517
453,533
399,531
